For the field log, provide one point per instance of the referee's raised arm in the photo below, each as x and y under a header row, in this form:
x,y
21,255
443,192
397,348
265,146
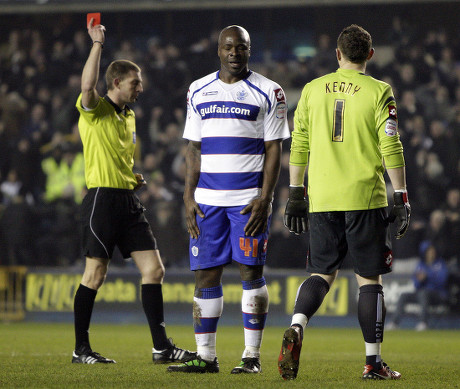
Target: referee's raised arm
x,y
90,75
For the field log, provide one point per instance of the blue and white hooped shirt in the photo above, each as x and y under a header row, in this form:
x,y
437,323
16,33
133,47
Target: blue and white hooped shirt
x,y
232,122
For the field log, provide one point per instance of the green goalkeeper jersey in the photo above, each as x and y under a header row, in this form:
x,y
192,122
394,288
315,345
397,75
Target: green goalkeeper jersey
x,y
345,130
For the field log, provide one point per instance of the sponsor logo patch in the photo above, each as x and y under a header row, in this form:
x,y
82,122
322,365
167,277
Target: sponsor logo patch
x,y
280,110
391,127
210,93
194,251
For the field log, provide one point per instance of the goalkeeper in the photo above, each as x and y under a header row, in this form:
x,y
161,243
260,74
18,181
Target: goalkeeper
x,y
346,134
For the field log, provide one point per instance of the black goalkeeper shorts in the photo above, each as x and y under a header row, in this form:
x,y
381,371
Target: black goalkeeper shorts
x,y
364,235
114,217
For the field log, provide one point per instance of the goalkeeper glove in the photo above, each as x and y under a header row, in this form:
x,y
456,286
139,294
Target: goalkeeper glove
x,y
400,212
296,212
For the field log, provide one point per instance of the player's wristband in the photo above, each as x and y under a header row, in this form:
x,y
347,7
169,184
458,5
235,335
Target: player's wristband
x,y
102,45
297,192
404,195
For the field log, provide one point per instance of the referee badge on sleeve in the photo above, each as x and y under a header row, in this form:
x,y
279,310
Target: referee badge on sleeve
x,y
134,137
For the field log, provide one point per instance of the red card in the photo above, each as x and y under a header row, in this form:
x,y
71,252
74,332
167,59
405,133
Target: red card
x,y
96,16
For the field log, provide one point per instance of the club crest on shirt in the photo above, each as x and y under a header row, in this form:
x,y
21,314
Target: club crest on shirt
x,y
195,251
241,95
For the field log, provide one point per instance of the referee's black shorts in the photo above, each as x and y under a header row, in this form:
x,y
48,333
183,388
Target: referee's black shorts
x,y
114,217
364,235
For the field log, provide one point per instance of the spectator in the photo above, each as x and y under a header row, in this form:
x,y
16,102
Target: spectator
x,y
10,187
282,74
407,77
37,128
65,176
438,232
25,159
17,228
4,151
324,60
13,113
303,75
430,283
409,106
451,209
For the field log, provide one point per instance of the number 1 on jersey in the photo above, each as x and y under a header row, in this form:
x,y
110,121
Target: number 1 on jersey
x,y
339,108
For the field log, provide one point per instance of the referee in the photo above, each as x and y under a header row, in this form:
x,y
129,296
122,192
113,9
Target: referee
x,y
346,133
111,213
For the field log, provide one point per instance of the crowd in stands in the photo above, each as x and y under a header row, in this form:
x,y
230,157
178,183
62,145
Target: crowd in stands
x,y
41,165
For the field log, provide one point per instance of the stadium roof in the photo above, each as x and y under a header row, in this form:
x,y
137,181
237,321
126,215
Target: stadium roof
x,y
46,6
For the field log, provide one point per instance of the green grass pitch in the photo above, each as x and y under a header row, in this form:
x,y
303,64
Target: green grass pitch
x,y
38,355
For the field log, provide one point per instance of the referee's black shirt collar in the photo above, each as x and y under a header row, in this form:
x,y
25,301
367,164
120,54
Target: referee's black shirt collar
x,y
117,108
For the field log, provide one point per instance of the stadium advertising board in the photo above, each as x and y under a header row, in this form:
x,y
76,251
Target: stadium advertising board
x,y
48,293
54,292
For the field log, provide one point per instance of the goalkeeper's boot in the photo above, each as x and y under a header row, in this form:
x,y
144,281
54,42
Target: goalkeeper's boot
x,y
248,365
196,365
288,360
171,354
84,354
385,373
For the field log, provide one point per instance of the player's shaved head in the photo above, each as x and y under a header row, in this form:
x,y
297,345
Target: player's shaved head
x,y
234,28
234,50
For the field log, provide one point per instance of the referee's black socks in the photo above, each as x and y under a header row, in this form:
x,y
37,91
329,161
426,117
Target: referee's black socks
x,y
83,309
152,302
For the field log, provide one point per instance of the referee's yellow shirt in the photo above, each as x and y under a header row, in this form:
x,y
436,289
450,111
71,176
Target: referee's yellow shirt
x,y
345,126
109,139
